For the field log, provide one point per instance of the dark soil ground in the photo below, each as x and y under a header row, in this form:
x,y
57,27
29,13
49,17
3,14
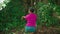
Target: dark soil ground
x,y
50,30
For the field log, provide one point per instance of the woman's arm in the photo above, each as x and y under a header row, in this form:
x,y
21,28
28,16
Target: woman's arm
x,y
23,17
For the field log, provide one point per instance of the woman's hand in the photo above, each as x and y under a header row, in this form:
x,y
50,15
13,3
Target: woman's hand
x,y
22,17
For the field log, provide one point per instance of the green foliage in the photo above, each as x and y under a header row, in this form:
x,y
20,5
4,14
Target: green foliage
x,y
53,1
45,14
57,10
10,16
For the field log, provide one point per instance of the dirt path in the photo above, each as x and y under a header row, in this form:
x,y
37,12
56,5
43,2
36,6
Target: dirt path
x,y
46,31
39,31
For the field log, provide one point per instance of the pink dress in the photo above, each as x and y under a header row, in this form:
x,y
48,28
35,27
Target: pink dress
x,y
31,19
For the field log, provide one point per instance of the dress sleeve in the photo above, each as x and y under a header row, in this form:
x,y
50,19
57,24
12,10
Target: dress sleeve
x,y
26,16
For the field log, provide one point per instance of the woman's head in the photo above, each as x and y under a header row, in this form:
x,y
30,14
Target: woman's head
x,y
31,10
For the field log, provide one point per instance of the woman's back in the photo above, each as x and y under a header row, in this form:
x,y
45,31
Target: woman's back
x,y
31,19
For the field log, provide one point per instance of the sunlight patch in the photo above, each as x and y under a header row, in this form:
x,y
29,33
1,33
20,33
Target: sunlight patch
x,y
3,3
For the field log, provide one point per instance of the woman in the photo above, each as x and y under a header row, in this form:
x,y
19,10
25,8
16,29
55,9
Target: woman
x,y
31,21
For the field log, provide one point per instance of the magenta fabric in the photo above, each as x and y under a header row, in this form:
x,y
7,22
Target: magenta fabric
x,y
31,19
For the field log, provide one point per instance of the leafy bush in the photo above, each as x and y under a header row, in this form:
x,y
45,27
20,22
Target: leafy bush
x,y
10,16
45,14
